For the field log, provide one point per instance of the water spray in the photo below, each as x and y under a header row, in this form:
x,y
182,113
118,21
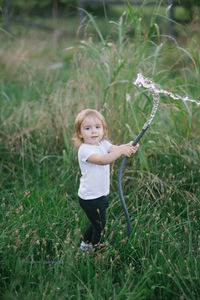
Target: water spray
x,y
148,84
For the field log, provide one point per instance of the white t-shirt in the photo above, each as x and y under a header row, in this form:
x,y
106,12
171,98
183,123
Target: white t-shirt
x,y
95,179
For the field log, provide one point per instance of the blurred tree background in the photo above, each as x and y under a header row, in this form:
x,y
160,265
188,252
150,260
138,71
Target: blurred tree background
x,y
19,11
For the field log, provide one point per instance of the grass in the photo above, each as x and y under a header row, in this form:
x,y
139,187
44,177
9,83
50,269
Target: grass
x,y
42,89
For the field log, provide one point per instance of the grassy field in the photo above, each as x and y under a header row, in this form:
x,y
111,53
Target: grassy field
x,y
44,84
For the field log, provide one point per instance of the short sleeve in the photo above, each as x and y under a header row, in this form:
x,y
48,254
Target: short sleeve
x,y
84,153
107,145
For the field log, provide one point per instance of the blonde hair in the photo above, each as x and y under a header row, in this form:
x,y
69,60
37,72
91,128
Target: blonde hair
x,y
79,120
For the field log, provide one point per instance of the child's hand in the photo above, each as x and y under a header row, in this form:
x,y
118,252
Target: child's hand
x,y
134,147
128,149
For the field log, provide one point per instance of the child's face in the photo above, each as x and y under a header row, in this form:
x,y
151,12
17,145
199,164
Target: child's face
x,y
92,130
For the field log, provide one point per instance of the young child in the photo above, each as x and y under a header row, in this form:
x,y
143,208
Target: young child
x,y
95,153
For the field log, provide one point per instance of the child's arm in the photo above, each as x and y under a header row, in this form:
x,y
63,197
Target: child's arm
x,y
115,153
114,147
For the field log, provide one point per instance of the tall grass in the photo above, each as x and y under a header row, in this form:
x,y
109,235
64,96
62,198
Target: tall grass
x,y
42,90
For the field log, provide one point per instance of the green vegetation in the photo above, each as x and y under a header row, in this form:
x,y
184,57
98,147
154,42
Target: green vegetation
x,y
44,84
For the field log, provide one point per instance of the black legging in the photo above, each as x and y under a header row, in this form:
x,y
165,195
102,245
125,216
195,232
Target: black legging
x,y
95,210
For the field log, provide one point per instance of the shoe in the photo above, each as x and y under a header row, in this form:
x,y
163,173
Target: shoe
x,y
85,247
